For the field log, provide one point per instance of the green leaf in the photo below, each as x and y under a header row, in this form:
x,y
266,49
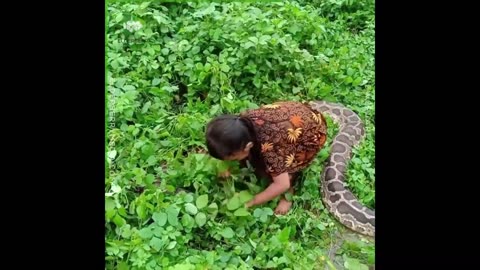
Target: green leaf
x,y
294,29
253,39
128,87
172,215
160,218
354,264
109,204
188,198
144,5
149,178
172,245
158,231
234,203
119,18
146,106
202,201
141,212
156,81
271,264
213,207
165,51
187,221
200,219
227,232
195,50
262,213
191,209
118,220
245,196
241,212
284,235
248,44
112,154
151,160
225,68
145,233
122,266
156,243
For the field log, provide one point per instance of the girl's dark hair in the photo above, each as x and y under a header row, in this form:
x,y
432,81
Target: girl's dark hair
x,y
227,134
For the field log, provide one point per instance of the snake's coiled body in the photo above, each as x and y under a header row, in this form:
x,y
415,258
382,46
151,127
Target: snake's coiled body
x,y
338,200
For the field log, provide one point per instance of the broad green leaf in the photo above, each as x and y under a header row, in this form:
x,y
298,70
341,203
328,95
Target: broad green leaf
x,y
248,44
156,81
126,231
119,18
195,50
227,232
271,264
109,204
257,212
225,68
172,245
158,231
200,219
234,203
241,212
145,233
245,196
191,209
141,212
187,221
116,188
109,214
151,160
268,211
172,215
149,178
122,266
118,220
212,208
284,235
202,201
160,218
156,243
188,198
128,87
112,154
354,264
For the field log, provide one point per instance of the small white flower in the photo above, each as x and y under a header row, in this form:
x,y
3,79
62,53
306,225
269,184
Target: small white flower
x,y
132,26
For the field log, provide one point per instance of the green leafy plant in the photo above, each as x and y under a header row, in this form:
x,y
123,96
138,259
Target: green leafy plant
x,y
171,67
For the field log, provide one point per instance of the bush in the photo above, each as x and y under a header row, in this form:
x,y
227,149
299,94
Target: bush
x,y
171,67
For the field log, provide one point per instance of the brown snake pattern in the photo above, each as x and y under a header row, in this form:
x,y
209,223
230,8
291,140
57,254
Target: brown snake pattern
x,y
338,200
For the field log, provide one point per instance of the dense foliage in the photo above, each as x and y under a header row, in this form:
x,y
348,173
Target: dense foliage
x,y
171,67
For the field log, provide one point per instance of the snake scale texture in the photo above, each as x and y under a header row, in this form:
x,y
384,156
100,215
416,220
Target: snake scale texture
x,y
337,198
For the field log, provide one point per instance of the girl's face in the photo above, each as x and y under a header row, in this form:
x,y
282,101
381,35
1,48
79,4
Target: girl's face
x,y
242,154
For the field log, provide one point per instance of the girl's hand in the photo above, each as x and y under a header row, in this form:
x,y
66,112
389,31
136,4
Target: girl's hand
x,y
224,174
280,185
250,203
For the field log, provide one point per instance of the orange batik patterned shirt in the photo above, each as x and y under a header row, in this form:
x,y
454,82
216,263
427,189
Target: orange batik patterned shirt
x,y
290,134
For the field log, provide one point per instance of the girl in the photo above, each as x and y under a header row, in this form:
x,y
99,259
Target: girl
x,y
278,140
